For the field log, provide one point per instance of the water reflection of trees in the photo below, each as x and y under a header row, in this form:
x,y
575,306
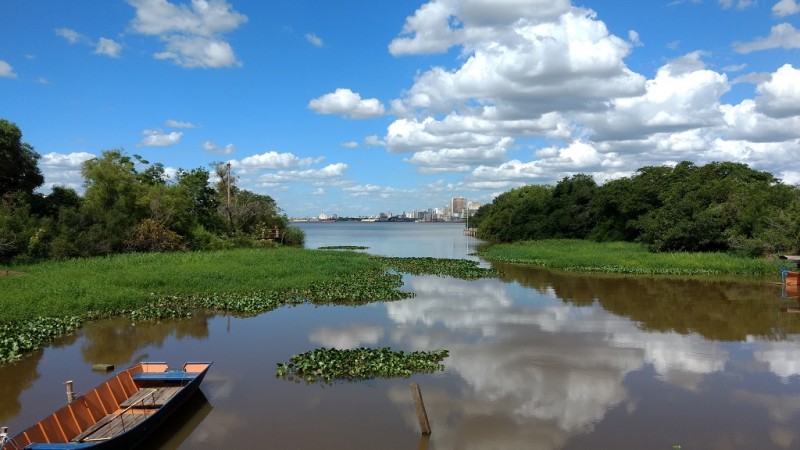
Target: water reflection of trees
x,y
716,309
115,341
16,378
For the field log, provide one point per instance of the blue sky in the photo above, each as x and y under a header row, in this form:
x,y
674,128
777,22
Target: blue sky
x,y
358,107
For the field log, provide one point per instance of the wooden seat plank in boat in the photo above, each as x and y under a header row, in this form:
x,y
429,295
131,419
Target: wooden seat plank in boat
x,y
150,397
110,426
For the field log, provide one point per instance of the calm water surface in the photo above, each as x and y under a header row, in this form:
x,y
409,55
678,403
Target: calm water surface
x,y
538,360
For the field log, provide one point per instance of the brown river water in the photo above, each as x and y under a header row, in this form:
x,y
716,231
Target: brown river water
x,y
538,360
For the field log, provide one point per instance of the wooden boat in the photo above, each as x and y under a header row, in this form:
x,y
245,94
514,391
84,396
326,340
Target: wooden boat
x,y
791,277
119,413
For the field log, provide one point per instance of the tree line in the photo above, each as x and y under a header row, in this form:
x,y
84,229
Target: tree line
x,y
128,205
720,206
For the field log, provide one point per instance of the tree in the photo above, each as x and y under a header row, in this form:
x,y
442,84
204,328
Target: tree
x,y
111,201
254,213
618,204
569,209
703,208
18,169
514,215
226,189
202,202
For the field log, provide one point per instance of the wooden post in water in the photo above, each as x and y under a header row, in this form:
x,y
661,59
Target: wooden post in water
x,y
70,392
424,425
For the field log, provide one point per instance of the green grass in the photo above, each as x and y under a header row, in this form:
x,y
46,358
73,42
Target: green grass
x,y
124,282
623,257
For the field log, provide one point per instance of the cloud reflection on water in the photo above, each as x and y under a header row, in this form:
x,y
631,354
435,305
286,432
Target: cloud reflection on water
x,y
526,357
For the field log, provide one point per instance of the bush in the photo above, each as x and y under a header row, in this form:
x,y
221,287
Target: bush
x,y
294,237
151,236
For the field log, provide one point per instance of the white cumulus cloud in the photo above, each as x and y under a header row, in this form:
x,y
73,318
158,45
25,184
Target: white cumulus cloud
x,y
192,32
783,35
178,124
347,103
211,147
314,40
61,169
72,36
108,47
326,174
780,96
786,8
6,71
157,138
273,160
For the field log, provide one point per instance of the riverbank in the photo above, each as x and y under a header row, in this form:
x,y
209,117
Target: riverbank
x,y
626,258
55,298
123,282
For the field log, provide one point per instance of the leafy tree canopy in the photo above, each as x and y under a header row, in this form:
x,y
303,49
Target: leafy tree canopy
x,y
18,169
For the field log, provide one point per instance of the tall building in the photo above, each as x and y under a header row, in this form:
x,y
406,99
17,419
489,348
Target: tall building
x,y
457,205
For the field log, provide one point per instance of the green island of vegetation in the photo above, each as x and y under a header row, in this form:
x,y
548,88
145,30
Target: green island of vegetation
x,y
343,247
326,365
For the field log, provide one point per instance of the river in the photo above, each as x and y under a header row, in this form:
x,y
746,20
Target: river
x,y
538,360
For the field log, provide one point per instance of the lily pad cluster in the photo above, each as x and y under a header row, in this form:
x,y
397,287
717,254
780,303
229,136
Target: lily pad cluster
x,y
20,338
327,365
352,290
443,267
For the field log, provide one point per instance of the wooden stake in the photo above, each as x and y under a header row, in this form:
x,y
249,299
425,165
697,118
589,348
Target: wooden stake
x,y
424,425
70,392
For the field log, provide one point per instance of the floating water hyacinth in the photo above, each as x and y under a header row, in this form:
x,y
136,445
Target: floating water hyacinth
x,y
456,268
326,365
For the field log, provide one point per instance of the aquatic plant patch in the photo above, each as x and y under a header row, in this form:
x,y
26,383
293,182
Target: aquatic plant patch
x,y
17,339
327,365
351,290
456,268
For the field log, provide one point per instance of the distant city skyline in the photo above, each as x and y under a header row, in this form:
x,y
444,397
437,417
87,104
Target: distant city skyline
x,y
362,106
439,213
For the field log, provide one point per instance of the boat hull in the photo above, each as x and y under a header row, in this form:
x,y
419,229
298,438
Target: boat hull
x,y
144,398
791,278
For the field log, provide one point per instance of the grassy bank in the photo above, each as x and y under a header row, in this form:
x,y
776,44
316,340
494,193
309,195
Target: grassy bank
x,y
623,257
43,301
122,282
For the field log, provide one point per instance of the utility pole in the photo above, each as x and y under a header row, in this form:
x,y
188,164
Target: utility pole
x,y
228,181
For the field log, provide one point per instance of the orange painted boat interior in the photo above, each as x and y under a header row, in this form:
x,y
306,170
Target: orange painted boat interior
x,y
75,418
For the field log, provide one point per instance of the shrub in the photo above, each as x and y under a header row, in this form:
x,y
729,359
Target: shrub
x,y
294,236
151,236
